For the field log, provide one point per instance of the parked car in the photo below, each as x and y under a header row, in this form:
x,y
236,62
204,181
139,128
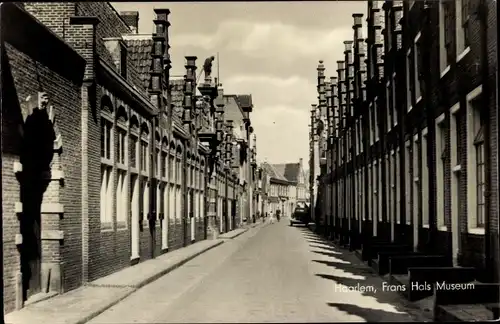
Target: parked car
x,y
301,215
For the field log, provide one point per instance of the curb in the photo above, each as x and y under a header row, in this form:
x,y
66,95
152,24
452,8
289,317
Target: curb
x,y
143,283
233,237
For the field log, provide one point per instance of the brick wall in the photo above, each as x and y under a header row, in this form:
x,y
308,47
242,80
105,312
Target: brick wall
x,y
27,78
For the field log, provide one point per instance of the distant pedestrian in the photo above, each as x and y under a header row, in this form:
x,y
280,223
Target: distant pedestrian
x,y
271,218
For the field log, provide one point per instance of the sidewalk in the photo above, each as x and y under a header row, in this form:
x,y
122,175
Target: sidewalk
x,y
80,305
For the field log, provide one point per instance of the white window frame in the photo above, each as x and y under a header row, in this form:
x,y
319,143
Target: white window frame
x,y
440,172
416,177
398,186
379,191
425,181
107,197
122,201
461,50
416,87
370,192
388,186
408,182
444,66
388,104
472,114
393,98
376,119
362,193
392,186
409,106
371,119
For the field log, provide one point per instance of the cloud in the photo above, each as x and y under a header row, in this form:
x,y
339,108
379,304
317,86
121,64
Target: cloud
x,y
282,133
294,91
268,39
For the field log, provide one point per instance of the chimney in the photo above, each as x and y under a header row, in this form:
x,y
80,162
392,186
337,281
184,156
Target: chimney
x,y
131,18
300,162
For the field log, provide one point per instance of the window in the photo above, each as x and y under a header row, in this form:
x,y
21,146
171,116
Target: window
x,y
388,189
394,103
409,85
379,190
388,31
476,172
164,162
417,65
398,187
416,180
441,158
135,148
388,105
122,148
479,143
360,134
449,29
157,157
106,197
123,61
408,180
370,193
425,181
106,139
121,199
171,165
145,201
392,191
465,21
446,28
362,193
462,27
376,119
144,156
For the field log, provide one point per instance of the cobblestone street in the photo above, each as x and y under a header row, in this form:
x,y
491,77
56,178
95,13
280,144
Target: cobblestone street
x,y
273,274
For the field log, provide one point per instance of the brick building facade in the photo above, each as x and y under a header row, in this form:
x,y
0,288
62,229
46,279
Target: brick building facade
x,y
77,77
412,132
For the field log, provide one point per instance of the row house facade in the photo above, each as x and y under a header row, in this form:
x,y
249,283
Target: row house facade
x,y
284,181
106,160
411,132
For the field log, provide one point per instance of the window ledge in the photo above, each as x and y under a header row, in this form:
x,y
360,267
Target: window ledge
x,y
456,168
445,71
463,54
416,179
108,162
121,166
106,227
442,228
477,231
425,225
409,108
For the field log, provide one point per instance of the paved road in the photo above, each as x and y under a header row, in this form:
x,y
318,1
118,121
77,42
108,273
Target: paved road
x,y
273,274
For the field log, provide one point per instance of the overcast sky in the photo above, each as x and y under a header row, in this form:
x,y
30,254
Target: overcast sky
x,y
267,49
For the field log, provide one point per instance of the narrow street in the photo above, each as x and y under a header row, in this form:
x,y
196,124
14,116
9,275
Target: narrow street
x,y
276,273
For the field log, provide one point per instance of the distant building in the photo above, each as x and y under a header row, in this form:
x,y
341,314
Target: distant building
x,y
287,186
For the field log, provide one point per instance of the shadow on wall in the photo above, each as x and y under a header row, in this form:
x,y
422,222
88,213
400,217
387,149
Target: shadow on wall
x,y
34,138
